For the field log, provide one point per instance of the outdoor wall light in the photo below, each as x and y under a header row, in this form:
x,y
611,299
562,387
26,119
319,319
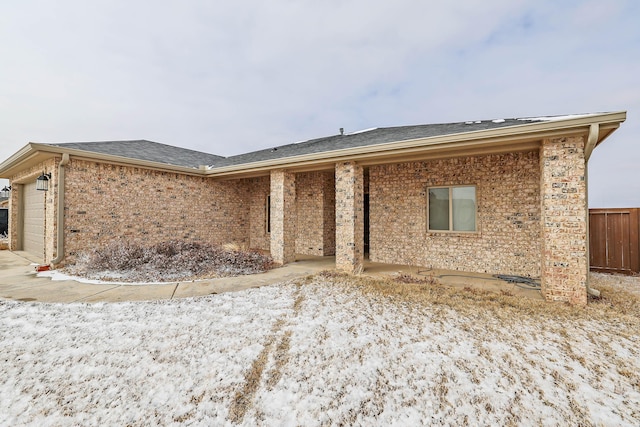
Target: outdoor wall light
x,y
42,182
5,191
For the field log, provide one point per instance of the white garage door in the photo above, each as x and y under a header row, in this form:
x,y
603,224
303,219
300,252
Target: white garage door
x,y
33,214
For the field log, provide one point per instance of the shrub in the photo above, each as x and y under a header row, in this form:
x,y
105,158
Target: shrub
x,y
168,261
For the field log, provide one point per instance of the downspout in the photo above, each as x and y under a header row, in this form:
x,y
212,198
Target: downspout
x,y
60,224
594,131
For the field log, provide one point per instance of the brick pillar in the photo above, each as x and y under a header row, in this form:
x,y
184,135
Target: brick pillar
x,y
15,227
564,220
283,217
349,217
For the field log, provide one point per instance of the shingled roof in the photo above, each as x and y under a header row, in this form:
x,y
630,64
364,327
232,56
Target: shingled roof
x,y
369,137
146,150
371,142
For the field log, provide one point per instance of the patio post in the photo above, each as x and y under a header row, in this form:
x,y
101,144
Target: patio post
x,y
564,220
283,216
349,217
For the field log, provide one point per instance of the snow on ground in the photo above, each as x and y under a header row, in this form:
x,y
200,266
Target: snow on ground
x,y
319,353
58,275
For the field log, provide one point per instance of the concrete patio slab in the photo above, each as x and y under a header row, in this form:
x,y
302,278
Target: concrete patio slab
x,y
302,267
459,279
18,281
121,293
54,291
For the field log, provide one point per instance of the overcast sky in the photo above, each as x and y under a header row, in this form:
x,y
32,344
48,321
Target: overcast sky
x,y
230,77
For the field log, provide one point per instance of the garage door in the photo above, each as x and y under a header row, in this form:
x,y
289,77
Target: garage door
x,y
33,214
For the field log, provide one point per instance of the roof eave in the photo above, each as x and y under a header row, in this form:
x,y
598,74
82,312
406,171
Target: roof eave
x,y
16,160
38,152
522,135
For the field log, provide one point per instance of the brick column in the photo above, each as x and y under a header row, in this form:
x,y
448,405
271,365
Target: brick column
x,y
564,220
349,217
283,217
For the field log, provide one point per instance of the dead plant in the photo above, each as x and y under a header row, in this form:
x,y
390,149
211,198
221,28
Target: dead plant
x,y
167,261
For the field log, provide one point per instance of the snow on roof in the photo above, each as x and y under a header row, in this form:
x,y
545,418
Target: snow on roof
x,y
362,131
554,118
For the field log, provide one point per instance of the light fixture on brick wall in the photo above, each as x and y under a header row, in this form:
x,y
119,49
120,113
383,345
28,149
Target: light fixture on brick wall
x,y
42,182
5,191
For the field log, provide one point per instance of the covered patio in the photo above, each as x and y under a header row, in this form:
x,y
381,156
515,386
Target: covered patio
x,y
443,277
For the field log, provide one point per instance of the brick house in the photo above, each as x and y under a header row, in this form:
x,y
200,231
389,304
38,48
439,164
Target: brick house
x,y
497,196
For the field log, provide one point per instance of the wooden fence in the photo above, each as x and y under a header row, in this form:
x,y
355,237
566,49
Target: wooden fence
x,y
614,240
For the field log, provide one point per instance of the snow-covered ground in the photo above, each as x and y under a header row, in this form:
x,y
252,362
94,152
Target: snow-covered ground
x,y
319,353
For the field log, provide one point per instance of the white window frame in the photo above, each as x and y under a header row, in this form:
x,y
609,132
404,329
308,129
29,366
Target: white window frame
x,y
450,230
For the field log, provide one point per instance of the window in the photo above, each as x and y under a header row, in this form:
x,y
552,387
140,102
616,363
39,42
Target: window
x,y
452,208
